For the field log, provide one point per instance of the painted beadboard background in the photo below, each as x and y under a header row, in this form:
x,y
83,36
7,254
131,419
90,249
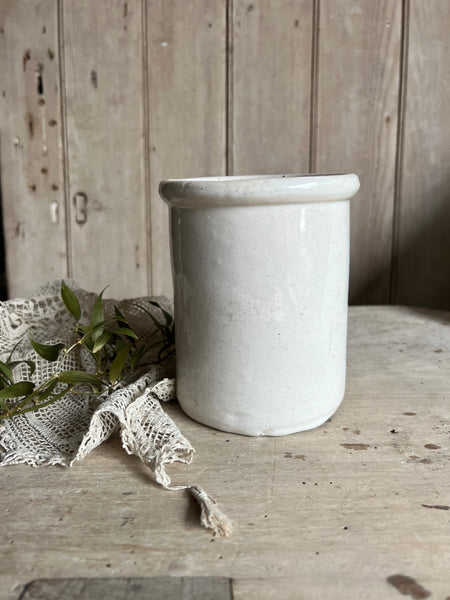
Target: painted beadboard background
x,y
101,99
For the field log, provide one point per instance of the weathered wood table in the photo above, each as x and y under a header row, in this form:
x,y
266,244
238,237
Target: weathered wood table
x,y
356,509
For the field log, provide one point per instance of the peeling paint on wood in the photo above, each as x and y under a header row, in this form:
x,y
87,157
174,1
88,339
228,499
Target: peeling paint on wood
x,y
30,98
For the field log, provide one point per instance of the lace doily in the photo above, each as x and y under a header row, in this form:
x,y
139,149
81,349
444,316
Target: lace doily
x,y
69,429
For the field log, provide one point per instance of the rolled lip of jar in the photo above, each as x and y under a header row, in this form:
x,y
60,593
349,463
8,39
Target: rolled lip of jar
x,y
257,190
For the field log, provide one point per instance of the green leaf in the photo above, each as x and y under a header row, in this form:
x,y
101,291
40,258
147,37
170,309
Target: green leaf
x,y
91,328
97,316
31,364
16,390
53,398
48,351
101,341
98,361
169,332
92,334
168,352
12,352
167,315
126,331
48,390
77,377
70,301
118,364
154,319
5,370
120,318
87,341
119,345
138,355
82,329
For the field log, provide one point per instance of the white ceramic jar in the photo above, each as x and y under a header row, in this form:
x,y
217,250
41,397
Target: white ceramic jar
x,y
260,270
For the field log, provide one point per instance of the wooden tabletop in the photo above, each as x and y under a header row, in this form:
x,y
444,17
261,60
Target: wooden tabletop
x,y
356,509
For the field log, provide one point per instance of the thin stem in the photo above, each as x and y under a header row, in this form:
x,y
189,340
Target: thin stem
x,y
36,407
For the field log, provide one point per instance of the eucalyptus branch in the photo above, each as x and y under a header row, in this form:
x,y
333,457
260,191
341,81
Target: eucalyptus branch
x,y
113,345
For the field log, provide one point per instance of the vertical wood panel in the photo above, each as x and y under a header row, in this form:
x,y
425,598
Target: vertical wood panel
x,y
31,150
124,115
423,274
270,78
187,45
104,87
359,60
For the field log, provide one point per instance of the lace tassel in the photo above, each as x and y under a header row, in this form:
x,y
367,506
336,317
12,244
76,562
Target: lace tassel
x,y
211,516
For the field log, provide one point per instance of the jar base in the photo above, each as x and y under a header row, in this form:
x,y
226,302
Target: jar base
x,y
267,431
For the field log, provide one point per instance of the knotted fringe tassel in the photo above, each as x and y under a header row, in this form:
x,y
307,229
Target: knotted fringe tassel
x,y
211,516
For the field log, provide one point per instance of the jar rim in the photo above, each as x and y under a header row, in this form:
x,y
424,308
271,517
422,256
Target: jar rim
x,y
256,190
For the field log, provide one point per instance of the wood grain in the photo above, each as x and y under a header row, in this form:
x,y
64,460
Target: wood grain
x,y
270,75
329,513
359,62
31,149
186,57
105,131
423,263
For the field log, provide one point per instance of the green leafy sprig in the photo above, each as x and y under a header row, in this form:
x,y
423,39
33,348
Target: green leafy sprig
x,y
116,349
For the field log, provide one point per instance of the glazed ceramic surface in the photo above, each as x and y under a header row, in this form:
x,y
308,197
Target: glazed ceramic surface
x,y
260,269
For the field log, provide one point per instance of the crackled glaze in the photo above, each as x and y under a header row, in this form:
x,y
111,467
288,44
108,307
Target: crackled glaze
x,y
260,269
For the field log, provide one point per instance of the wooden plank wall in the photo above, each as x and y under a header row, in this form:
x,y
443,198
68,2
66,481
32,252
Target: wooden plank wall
x,y
186,107
100,100
31,154
105,147
356,116
423,245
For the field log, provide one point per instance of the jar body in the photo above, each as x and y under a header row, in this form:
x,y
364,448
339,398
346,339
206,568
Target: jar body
x,y
261,296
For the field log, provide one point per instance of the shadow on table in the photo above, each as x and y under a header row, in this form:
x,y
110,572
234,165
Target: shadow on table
x,y
431,314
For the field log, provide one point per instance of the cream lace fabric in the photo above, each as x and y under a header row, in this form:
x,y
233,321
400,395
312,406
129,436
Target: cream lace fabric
x,y
66,431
